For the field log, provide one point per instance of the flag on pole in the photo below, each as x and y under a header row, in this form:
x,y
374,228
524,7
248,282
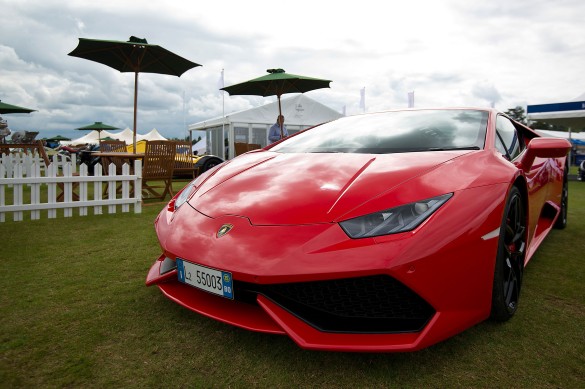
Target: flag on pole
x,y
411,99
363,99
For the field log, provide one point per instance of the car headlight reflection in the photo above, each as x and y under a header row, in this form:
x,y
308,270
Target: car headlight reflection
x,y
184,195
394,220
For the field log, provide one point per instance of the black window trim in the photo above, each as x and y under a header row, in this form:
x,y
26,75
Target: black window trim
x,y
517,138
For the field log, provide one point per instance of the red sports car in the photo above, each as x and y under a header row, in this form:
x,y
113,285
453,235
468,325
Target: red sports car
x,y
387,231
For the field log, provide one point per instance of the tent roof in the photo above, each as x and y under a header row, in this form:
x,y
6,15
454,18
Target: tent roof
x,y
570,113
297,110
91,138
125,135
562,134
152,135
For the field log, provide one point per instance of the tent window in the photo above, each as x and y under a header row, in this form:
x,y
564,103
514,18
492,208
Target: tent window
x,y
215,141
259,136
241,134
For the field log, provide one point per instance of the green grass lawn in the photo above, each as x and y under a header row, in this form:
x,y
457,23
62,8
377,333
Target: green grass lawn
x,y
74,312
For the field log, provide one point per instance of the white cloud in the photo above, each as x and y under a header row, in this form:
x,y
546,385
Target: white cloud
x,y
486,91
452,52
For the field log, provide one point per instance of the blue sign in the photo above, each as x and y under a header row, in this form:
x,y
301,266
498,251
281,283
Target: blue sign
x,y
556,107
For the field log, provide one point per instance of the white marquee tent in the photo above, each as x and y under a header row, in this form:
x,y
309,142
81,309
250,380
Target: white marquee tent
x,y
90,138
252,125
152,135
562,134
200,147
125,135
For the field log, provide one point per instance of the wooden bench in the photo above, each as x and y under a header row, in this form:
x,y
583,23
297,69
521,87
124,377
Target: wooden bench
x,y
35,147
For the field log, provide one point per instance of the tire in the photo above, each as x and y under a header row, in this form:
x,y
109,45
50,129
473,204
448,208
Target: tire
x,y
561,221
510,258
211,163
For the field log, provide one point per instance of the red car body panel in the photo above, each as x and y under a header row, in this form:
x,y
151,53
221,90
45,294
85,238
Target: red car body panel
x,y
285,209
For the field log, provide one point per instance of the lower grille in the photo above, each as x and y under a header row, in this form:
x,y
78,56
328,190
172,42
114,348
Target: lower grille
x,y
372,304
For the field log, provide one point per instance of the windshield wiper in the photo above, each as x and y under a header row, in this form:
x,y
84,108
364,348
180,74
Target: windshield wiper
x,y
453,148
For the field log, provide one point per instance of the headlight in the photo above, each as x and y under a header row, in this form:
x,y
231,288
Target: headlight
x,y
394,220
184,195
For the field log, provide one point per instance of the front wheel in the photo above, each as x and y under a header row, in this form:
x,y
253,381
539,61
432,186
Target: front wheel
x,y
510,258
207,162
212,162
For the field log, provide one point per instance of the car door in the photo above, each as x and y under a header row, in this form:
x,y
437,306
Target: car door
x,y
510,143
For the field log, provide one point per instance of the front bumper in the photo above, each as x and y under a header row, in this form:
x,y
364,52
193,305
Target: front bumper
x,y
444,270
265,315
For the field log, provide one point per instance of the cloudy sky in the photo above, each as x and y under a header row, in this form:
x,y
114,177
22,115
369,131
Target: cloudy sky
x,y
450,52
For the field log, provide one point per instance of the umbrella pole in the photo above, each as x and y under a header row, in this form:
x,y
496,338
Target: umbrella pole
x,y
135,106
281,125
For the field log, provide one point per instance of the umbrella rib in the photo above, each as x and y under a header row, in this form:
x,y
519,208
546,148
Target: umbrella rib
x,y
160,62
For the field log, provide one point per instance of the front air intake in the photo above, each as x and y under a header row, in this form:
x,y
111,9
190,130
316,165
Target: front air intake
x,y
372,304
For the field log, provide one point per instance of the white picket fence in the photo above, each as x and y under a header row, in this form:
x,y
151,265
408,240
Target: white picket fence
x,y
13,159
66,190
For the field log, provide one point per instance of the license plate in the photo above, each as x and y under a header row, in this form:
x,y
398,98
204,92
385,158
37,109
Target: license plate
x,y
210,280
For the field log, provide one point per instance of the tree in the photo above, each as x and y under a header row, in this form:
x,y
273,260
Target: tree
x,y
546,126
517,113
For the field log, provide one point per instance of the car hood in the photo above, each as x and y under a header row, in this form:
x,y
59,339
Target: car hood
x,y
271,188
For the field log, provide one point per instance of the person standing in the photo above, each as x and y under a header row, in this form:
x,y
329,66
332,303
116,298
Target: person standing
x,y
278,130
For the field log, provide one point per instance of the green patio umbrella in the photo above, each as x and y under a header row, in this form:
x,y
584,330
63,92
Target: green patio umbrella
x,y
58,138
9,108
277,82
99,127
137,56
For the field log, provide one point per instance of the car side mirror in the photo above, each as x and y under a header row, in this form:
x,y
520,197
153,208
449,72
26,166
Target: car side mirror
x,y
544,148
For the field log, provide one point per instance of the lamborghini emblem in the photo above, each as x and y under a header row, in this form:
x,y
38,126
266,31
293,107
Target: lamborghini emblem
x,y
224,230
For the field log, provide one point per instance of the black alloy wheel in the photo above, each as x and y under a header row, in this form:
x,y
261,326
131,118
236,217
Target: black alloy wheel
x,y
510,258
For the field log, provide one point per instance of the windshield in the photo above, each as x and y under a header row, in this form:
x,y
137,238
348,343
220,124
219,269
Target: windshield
x,y
393,132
